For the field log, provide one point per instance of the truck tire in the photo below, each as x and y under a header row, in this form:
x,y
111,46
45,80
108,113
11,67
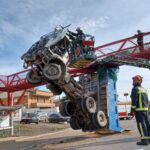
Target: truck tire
x,y
33,78
52,72
54,89
99,119
67,108
61,110
74,123
88,105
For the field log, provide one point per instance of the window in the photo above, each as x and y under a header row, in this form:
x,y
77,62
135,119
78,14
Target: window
x,y
40,99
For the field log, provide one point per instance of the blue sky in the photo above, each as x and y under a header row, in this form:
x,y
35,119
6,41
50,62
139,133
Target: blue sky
x,y
22,22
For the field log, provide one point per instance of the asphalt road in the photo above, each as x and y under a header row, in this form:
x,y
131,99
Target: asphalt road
x,y
76,140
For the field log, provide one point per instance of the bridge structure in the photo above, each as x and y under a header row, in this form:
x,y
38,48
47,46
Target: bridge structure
x,y
117,53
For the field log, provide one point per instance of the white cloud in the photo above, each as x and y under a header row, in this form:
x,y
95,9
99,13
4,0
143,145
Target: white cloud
x,y
23,22
9,67
92,25
1,44
124,83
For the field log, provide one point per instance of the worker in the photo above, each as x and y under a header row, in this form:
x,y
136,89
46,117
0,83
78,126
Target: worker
x,y
140,40
139,108
76,45
77,37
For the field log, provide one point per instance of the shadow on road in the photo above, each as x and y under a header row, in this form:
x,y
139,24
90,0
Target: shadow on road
x,y
110,142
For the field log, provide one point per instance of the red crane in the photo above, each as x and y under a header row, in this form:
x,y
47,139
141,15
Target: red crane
x,y
15,82
122,52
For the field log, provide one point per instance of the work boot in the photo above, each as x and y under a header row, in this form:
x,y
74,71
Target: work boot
x,y
143,142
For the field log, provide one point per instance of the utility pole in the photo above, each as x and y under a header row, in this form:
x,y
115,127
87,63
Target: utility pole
x,y
126,95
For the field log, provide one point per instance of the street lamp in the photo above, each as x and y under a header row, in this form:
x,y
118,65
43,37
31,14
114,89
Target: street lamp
x,y
126,95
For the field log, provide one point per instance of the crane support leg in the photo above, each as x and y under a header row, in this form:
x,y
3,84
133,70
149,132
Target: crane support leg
x,y
108,96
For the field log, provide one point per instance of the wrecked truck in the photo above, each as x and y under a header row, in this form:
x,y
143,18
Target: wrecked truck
x,y
48,59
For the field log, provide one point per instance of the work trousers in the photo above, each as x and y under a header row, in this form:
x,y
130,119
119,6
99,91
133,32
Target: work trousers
x,y
141,46
143,124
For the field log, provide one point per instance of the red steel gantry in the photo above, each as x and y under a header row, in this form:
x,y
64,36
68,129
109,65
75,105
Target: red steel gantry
x,y
122,52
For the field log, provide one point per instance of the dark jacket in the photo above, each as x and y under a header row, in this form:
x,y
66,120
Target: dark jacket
x,y
79,36
139,99
140,38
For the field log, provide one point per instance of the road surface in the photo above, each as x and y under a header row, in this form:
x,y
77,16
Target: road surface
x,y
69,139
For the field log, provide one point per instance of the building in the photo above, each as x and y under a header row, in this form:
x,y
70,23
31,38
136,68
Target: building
x,y
33,98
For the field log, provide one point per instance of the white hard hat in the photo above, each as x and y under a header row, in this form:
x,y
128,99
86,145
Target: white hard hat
x,y
57,28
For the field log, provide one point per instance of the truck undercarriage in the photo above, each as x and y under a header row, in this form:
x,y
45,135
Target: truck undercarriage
x,y
48,62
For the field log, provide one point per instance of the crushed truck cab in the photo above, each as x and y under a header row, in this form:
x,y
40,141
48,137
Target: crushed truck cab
x,y
48,59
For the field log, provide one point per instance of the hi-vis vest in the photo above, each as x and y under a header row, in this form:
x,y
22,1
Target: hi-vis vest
x,y
140,100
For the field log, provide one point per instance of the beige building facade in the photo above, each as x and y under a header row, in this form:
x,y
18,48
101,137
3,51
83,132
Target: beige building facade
x,y
33,98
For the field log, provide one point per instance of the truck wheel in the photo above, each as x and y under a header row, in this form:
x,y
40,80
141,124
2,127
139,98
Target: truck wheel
x,y
54,89
52,72
74,123
33,78
88,105
62,111
99,119
67,108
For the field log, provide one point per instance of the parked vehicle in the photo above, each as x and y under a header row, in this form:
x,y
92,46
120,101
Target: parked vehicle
x,y
29,118
42,116
57,118
124,109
